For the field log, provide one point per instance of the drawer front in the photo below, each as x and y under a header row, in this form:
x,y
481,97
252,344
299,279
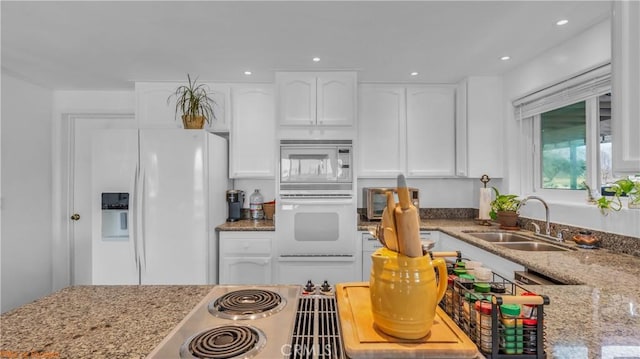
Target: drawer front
x,y
246,246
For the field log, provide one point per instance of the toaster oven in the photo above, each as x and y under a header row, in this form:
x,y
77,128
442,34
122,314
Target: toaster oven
x,y
374,200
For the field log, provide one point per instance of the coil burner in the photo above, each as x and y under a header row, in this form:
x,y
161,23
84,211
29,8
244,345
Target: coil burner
x,y
224,342
247,304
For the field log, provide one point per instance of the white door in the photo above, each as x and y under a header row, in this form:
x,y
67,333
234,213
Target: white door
x,y
80,202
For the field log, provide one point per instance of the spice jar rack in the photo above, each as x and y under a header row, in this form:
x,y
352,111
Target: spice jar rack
x,y
503,325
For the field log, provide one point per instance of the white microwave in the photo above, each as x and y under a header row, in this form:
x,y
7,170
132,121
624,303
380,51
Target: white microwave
x,y
316,167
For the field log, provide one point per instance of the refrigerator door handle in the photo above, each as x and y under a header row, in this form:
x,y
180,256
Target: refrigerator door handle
x,y
133,222
142,243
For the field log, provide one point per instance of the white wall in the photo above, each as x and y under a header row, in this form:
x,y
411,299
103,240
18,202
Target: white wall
x,y
586,51
26,192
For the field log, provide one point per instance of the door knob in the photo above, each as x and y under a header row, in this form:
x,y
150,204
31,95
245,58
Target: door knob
x,y
75,217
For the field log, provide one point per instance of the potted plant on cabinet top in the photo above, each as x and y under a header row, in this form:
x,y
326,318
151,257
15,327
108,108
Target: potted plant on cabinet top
x,y
194,104
504,209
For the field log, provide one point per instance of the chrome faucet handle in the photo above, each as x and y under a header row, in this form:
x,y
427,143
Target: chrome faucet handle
x,y
559,234
536,227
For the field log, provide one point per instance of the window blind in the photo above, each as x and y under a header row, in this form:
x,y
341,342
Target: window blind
x,y
592,83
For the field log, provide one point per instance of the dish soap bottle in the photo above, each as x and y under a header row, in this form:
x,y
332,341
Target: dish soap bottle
x,y
255,205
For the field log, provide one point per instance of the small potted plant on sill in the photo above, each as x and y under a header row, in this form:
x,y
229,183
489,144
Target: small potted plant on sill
x,y
504,209
628,187
194,104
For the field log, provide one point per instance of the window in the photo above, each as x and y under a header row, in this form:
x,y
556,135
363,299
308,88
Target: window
x,y
563,147
563,144
565,134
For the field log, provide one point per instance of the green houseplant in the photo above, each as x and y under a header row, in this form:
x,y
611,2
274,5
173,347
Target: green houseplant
x,y
629,187
504,209
194,104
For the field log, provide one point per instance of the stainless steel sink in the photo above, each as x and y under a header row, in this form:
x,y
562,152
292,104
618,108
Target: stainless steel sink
x,y
533,246
516,241
500,236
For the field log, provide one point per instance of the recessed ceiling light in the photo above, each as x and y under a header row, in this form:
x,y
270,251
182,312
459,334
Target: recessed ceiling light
x,y
505,58
562,22
316,59
414,74
247,73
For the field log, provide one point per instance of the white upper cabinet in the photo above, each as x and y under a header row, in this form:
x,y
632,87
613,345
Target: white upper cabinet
x,y
153,110
381,131
625,124
479,127
316,98
431,146
252,138
407,130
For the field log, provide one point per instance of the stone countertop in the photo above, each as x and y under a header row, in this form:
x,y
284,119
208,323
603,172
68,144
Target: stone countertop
x,y
596,317
247,225
97,321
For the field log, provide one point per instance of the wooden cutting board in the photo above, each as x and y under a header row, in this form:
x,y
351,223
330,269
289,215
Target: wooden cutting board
x,y
362,340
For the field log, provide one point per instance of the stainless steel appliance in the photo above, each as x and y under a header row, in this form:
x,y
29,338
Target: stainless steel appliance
x,y
235,200
316,168
374,200
283,321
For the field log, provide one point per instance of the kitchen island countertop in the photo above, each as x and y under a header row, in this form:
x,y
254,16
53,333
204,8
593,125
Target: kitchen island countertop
x,y
596,317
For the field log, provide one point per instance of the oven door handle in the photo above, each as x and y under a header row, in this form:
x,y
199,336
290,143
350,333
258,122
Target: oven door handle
x,y
317,201
317,258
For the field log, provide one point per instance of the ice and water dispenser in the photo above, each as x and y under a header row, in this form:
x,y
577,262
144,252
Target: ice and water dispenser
x,y
115,210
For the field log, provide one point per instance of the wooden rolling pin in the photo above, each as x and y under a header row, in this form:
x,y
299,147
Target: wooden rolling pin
x,y
389,223
407,222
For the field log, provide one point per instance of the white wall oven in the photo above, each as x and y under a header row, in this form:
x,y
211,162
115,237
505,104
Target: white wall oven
x,y
316,214
316,168
316,240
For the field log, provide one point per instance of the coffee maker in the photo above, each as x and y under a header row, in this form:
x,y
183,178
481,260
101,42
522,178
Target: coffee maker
x,y
235,200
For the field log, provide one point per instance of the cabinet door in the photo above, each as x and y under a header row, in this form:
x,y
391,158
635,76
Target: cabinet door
x,y
430,131
296,98
152,108
489,260
336,94
245,257
625,124
245,270
381,121
479,101
252,135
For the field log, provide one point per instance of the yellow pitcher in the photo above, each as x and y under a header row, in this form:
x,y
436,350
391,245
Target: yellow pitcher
x,y
404,294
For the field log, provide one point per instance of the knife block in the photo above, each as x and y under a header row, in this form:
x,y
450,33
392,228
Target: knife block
x,y
404,293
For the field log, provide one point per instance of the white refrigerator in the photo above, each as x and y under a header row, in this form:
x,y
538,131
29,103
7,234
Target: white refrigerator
x,y
175,181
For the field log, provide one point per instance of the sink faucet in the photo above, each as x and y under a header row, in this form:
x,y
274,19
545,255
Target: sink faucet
x,y
547,230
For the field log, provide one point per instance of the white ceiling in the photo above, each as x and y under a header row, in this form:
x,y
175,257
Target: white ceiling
x,y
110,45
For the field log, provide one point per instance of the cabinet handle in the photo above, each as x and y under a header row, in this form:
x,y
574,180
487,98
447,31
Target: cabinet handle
x,y
75,217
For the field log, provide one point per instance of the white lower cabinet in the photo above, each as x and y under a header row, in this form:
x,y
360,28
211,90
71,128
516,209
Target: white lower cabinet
x,y
497,264
245,257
